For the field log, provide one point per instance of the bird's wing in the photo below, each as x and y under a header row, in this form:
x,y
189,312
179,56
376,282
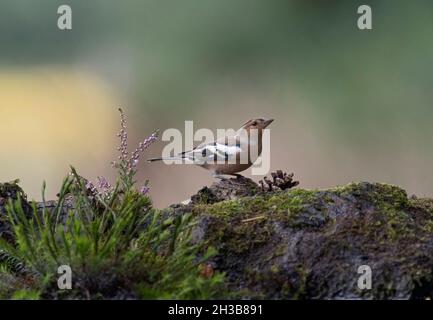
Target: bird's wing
x,y
212,152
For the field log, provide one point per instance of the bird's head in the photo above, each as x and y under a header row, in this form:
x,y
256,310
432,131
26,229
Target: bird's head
x,y
257,124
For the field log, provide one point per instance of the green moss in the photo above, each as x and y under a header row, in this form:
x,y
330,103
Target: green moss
x,y
428,227
396,223
279,251
244,225
232,237
205,196
26,294
303,208
258,231
390,204
422,204
301,291
11,190
275,269
375,193
288,203
253,218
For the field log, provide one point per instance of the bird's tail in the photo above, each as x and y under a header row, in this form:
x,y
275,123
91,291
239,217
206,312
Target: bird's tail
x,y
165,158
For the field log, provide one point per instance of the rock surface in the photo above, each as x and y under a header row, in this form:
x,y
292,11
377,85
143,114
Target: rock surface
x,y
309,244
10,190
228,189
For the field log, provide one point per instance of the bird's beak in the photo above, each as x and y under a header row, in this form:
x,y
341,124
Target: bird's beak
x,y
267,123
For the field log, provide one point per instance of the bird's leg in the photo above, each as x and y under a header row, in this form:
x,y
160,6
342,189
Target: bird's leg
x,y
219,176
237,175
223,176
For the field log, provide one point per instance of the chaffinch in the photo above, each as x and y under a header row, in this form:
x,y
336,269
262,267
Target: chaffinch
x,y
230,154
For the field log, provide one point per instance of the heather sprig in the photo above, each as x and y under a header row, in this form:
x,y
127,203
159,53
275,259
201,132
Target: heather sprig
x,y
114,241
127,162
122,248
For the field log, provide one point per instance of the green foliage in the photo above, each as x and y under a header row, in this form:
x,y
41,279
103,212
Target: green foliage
x,y
286,204
116,246
26,295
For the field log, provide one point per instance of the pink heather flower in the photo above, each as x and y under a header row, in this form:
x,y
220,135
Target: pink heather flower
x,y
125,165
91,187
104,188
135,156
123,148
103,183
132,162
144,190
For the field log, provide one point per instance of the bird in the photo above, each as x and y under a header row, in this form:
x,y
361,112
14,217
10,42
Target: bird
x,y
228,155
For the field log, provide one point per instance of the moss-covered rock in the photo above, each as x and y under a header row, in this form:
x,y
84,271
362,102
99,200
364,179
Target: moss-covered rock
x,y
307,244
226,189
10,191
310,243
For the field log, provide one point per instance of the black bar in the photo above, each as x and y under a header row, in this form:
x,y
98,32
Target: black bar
x,y
220,309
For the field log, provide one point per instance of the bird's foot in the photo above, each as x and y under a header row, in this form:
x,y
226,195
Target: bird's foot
x,y
219,176
224,176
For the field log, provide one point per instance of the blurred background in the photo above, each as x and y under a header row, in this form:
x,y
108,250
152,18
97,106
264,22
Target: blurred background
x,y
349,105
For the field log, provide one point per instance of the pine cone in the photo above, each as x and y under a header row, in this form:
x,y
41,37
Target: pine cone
x,y
280,181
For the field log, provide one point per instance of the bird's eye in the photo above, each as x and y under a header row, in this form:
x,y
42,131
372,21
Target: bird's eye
x,y
254,123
